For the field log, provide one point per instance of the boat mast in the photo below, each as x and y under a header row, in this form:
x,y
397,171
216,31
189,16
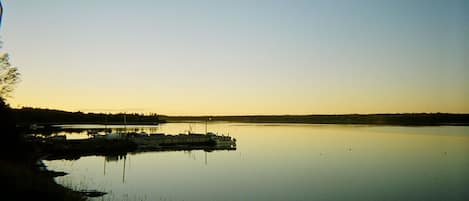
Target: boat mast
x,y
206,120
123,170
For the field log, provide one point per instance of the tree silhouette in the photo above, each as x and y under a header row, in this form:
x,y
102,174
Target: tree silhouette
x,y
9,76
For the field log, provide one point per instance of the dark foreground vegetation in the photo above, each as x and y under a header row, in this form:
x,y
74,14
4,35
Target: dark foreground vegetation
x,y
23,182
21,178
411,119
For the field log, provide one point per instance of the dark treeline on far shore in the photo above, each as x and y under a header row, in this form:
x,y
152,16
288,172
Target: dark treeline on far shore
x,y
372,119
28,116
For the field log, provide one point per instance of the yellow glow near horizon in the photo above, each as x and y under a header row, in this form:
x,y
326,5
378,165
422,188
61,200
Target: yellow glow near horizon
x,y
187,104
195,58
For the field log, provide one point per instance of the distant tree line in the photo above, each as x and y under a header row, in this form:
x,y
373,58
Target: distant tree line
x,y
28,115
372,119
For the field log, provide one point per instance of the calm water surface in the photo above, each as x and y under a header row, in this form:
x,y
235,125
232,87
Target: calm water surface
x,y
287,162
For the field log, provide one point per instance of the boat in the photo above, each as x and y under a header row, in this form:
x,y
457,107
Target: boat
x,y
222,140
188,138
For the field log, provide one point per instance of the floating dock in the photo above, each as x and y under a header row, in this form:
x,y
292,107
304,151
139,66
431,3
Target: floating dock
x,y
118,143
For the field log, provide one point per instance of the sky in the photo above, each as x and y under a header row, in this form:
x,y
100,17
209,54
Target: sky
x,y
221,57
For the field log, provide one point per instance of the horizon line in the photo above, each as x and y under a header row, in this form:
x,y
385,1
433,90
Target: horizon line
x,y
238,115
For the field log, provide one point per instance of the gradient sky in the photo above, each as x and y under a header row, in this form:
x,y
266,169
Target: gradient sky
x,y
240,57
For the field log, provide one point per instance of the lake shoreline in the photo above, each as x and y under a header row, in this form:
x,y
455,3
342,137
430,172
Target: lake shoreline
x,y
25,178
47,117
407,119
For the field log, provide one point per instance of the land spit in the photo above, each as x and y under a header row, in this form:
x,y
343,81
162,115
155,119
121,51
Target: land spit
x,y
58,147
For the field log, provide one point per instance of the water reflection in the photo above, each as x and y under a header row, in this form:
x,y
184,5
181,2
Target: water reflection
x,y
124,160
115,158
290,162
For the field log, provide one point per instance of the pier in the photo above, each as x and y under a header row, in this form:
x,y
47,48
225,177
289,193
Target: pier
x,y
59,147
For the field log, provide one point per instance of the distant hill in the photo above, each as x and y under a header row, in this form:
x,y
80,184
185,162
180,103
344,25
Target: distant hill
x,y
372,119
27,116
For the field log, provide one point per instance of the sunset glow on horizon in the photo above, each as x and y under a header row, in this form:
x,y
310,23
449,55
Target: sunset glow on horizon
x,y
240,57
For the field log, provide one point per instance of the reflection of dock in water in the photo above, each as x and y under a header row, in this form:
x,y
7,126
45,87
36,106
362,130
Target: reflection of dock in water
x,y
115,158
126,164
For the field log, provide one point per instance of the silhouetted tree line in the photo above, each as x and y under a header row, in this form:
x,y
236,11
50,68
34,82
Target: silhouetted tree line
x,y
11,145
375,119
28,115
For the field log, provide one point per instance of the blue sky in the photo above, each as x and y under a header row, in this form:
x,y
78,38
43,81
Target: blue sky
x,y
240,57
